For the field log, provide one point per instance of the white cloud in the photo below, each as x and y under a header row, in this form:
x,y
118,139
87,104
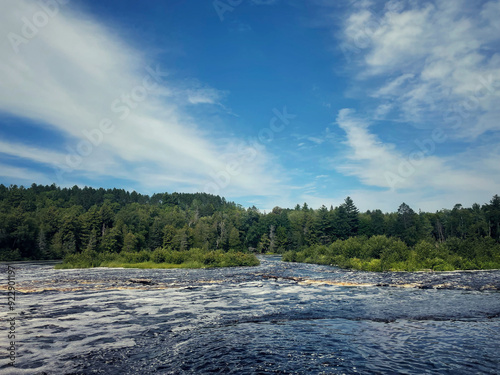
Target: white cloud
x,y
418,174
382,110
27,176
393,86
387,201
436,56
37,154
316,140
203,96
434,65
74,73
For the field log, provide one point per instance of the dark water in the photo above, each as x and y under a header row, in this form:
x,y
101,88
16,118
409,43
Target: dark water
x,y
278,318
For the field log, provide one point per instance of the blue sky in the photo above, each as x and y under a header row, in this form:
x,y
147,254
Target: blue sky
x,y
265,102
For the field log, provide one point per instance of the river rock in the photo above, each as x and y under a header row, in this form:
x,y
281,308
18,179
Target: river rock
x,y
141,281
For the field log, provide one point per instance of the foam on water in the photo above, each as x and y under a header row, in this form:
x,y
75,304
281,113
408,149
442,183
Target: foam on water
x,y
274,318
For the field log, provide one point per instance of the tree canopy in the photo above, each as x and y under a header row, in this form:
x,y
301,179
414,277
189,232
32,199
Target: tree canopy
x,y
49,222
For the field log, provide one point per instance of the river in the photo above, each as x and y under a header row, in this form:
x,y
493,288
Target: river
x,y
277,318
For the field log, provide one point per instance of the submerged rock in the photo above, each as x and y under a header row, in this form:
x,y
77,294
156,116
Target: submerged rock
x,y
141,281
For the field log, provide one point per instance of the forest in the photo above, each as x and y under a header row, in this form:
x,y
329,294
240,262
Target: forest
x,y
107,227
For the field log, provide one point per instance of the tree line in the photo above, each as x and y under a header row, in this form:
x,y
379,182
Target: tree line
x,y
49,222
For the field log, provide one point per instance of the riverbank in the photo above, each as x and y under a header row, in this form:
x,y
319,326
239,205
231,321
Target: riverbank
x,y
160,258
381,253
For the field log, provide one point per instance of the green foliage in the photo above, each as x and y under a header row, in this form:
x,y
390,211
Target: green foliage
x,y
161,258
381,253
95,226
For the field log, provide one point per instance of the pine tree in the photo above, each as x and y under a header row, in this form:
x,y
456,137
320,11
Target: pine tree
x,y
352,213
169,233
324,226
281,239
341,229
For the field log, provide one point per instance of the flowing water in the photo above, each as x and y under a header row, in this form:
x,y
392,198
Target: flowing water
x,y
277,318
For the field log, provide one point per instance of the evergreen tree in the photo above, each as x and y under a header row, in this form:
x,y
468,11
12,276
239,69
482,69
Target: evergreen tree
x,y
342,229
324,226
493,217
406,224
352,213
169,233
378,223
43,222
281,239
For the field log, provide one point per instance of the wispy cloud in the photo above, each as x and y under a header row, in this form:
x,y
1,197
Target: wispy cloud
x,y
120,112
414,176
25,175
434,66
439,60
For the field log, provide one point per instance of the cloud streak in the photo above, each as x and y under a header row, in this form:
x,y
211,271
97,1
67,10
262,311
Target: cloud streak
x,y
418,174
119,112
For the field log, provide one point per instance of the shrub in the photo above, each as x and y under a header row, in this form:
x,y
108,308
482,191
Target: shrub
x,y
352,247
159,255
425,250
160,258
373,247
289,256
375,265
395,251
381,253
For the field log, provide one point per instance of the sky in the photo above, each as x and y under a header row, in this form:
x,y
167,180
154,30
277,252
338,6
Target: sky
x,y
264,102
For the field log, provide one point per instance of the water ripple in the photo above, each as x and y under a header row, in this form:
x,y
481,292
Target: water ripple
x,y
277,318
